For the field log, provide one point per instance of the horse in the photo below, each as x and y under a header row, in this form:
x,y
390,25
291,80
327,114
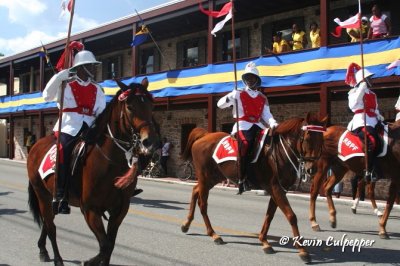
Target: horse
x,y
276,169
389,166
122,132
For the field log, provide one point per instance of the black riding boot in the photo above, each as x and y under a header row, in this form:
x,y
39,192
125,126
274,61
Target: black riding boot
x,y
243,184
63,207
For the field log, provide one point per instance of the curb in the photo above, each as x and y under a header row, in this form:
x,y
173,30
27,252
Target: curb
x,y
290,194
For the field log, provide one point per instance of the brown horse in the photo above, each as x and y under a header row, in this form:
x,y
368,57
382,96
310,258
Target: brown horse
x,y
389,165
123,131
275,171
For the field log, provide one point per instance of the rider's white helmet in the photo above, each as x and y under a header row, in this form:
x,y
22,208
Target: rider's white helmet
x,y
251,69
84,57
359,75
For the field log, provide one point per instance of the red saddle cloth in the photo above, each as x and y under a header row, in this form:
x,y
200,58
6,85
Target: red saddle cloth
x,y
227,148
350,145
48,163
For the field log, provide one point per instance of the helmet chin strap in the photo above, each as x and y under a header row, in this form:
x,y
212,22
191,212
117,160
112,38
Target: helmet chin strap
x,y
88,72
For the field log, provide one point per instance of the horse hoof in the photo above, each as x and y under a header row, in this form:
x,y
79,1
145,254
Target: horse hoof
x,y
333,224
219,241
184,228
353,210
305,256
384,236
316,228
44,257
269,250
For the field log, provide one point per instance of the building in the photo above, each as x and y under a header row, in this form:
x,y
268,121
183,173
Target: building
x,y
194,69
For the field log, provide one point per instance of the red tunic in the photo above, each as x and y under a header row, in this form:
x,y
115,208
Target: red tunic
x,y
85,98
252,107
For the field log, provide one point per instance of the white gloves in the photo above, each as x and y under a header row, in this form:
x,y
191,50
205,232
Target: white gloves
x,y
273,124
63,75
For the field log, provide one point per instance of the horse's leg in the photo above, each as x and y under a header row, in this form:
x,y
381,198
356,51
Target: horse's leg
x,y
315,187
48,222
389,205
371,193
267,223
203,205
96,225
356,201
195,195
329,185
43,254
281,200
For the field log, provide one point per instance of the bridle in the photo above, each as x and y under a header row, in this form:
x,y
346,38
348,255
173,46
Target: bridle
x,y
300,154
133,145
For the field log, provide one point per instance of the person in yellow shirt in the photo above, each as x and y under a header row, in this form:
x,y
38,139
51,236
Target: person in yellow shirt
x,y
299,40
315,36
279,45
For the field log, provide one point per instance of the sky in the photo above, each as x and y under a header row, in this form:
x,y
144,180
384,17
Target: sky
x,y
25,24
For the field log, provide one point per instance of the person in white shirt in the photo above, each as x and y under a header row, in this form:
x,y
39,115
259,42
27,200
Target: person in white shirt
x,y
253,108
358,97
165,154
83,101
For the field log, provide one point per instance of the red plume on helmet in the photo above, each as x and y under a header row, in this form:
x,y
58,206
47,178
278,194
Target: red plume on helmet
x,y
74,45
350,74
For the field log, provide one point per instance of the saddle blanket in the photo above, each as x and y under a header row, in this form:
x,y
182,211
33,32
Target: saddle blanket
x,y
350,145
227,148
48,163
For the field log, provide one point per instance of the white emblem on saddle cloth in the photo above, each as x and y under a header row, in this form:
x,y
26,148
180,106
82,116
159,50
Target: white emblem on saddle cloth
x,y
350,145
47,165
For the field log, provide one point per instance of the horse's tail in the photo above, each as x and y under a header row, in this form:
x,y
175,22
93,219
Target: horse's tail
x,y
194,135
34,205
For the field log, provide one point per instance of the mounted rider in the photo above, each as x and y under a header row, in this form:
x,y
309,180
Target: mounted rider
x,y
360,99
83,101
253,110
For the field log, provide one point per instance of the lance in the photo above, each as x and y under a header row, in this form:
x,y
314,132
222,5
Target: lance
x,y
66,65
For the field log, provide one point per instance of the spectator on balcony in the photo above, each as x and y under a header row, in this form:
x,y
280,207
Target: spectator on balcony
x,y
315,35
279,45
380,25
354,33
299,40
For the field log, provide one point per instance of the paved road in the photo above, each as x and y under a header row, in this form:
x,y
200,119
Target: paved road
x,y
150,234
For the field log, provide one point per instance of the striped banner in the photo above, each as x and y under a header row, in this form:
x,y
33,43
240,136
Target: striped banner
x,y
325,64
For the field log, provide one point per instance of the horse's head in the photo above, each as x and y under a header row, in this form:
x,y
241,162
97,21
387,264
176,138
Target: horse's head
x,y
312,141
136,114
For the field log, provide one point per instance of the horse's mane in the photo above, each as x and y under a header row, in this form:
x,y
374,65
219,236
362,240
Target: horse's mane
x,y
289,126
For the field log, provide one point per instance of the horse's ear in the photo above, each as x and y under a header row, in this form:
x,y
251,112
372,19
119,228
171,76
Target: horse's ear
x,y
325,120
145,83
121,85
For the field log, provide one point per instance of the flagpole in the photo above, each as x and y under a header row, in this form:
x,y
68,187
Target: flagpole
x,y
238,165
66,66
362,69
154,41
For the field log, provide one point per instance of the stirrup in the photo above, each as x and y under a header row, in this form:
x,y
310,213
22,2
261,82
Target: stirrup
x,y
367,176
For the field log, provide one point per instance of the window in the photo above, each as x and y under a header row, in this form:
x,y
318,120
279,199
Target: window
x,y
225,45
185,131
191,53
24,83
149,61
112,67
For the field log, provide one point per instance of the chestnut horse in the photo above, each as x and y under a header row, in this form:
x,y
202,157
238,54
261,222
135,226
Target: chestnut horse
x,y
123,131
275,171
389,165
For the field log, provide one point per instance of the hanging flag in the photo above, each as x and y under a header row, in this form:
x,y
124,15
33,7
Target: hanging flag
x,y
43,53
141,36
74,45
353,22
221,24
66,6
393,64
216,14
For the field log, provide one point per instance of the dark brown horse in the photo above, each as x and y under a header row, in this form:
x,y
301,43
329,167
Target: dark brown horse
x,y
123,131
275,171
389,165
